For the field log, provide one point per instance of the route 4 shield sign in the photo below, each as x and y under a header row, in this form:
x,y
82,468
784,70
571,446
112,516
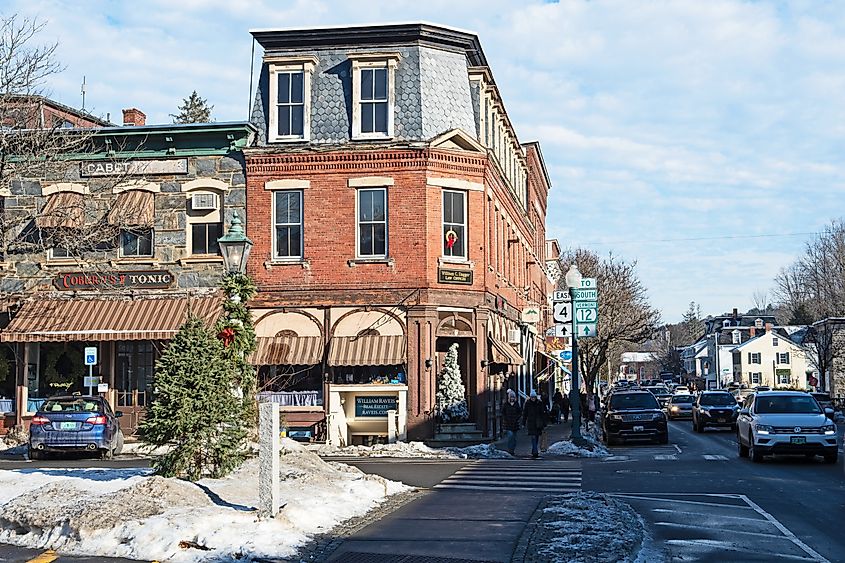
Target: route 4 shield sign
x,y
562,312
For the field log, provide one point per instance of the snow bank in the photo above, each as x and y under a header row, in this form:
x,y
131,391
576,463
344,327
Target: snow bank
x,y
9,445
414,450
587,527
594,447
131,513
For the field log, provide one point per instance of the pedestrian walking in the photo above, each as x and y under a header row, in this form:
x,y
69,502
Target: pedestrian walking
x,y
511,413
557,405
535,414
592,407
565,405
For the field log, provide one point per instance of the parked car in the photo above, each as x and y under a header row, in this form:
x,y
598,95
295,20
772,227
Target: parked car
x,y
714,408
785,422
824,400
75,423
634,415
680,406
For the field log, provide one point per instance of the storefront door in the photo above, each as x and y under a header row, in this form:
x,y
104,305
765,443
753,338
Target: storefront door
x,y
135,363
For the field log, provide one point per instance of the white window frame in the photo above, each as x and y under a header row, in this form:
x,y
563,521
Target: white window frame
x,y
358,254
453,257
756,375
781,378
361,61
752,356
774,341
783,358
273,225
152,244
51,254
277,66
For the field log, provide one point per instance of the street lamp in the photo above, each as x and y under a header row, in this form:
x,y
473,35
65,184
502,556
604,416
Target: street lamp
x,y
235,247
573,282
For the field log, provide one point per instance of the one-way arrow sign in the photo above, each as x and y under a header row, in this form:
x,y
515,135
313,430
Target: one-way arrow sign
x,y
587,330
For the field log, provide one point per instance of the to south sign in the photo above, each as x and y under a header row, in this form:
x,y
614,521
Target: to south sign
x,y
142,279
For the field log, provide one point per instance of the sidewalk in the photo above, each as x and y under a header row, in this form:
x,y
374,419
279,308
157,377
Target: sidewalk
x,y
555,433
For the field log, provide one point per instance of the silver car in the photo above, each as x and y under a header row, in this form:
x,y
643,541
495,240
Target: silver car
x,y
785,422
680,406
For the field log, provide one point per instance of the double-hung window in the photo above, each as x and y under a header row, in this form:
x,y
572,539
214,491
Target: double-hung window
x,y
136,242
783,378
290,99
755,378
372,223
783,358
373,94
454,224
287,225
754,358
204,238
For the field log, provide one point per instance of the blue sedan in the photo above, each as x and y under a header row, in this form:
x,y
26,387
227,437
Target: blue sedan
x,y
75,423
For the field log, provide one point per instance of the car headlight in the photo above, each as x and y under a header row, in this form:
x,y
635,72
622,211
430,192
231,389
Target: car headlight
x,y
829,429
616,417
764,429
675,409
705,412
658,416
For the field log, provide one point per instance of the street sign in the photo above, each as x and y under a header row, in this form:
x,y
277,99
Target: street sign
x,y
561,330
90,355
586,305
91,380
566,355
587,330
585,294
588,283
562,312
586,316
561,296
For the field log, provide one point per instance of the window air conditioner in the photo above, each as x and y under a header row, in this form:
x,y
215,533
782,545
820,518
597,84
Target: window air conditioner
x,y
513,336
204,202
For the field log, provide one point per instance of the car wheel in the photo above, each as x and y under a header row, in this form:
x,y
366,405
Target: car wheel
x,y
107,453
610,440
663,439
754,453
33,454
118,443
743,449
831,458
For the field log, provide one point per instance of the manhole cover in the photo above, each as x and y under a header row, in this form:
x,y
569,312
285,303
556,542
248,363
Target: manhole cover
x,y
393,558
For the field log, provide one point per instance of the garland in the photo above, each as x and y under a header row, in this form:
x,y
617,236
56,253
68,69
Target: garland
x,y
235,329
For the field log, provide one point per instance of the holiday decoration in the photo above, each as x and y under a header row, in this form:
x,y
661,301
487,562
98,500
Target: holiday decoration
x,y
451,393
451,239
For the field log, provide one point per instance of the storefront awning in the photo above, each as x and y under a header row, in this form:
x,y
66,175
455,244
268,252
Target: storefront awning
x,y
97,320
367,351
133,208
503,353
287,350
63,209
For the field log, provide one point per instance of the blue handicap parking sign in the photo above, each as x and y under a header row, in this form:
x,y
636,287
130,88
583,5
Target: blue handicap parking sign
x,y
90,359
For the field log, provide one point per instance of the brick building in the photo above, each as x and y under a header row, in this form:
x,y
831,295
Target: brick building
x,y
394,213
112,248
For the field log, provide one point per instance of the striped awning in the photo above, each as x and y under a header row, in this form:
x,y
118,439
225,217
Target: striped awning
x,y
287,350
99,320
133,208
367,351
63,209
503,353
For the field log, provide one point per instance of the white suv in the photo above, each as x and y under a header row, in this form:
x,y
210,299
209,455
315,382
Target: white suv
x,y
785,422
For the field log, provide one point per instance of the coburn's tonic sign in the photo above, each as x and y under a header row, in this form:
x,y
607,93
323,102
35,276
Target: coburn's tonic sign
x,y
143,279
375,405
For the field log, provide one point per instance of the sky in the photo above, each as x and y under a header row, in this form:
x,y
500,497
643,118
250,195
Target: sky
x,y
703,140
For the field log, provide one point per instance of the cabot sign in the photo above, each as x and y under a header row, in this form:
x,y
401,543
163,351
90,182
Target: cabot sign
x,y
143,279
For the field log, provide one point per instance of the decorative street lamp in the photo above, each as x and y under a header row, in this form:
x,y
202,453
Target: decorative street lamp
x,y
573,282
235,247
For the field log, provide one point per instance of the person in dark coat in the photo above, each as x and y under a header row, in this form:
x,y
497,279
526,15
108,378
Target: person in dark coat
x,y
511,413
557,406
535,414
565,405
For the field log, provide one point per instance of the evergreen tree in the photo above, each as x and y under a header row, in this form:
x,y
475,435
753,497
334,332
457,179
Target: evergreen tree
x,y
692,322
451,393
195,409
193,110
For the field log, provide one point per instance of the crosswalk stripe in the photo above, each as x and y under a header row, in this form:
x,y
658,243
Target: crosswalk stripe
x,y
715,457
530,476
511,488
671,457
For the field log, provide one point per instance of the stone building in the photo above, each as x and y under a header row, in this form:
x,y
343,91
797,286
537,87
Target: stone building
x,y
394,213
112,249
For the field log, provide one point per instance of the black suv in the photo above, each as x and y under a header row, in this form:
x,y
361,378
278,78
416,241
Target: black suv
x,y
634,415
714,408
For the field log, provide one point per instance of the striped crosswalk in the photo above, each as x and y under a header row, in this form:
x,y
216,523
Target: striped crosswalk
x,y
665,457
508,476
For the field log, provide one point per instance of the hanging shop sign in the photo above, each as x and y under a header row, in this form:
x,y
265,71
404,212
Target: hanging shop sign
x,y
375,405
140,279
461,277
134,167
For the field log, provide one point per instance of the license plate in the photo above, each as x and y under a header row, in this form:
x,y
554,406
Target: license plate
x,y
638,428
798,440
723,420
67,426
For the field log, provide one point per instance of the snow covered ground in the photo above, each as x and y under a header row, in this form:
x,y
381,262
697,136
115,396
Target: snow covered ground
x,y
588,527
595,448
131,513
11,446
415,450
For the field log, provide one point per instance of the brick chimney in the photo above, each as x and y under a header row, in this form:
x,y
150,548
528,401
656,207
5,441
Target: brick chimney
x,y
769,327
134,117
752,332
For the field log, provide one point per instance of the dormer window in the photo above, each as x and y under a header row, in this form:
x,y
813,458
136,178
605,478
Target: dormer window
x,y
735,337
373,95
758,323
290,98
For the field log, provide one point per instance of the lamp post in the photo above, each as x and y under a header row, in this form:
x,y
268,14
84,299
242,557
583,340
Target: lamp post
x,y
573,282
235,247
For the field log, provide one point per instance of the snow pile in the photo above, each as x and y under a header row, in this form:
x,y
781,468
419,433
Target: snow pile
x,y
594,447
133,514
140,449
11,445
414,450
588,527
